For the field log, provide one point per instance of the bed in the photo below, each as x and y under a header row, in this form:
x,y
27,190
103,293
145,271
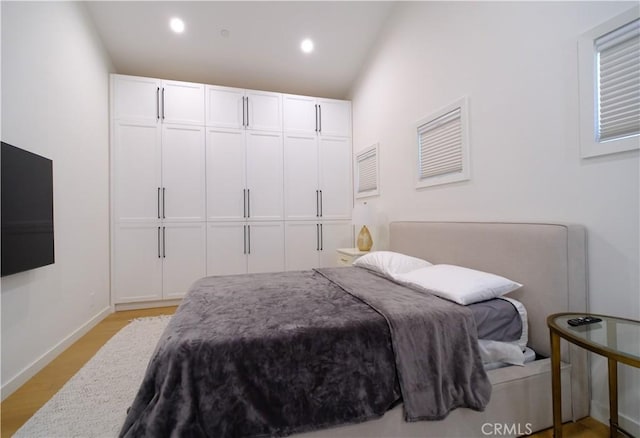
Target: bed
x,y
549,259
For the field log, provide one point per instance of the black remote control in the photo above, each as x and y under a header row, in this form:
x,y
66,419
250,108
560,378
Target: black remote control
x,y
583,320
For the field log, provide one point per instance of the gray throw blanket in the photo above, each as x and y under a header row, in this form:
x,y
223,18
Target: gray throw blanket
x,y
275,354
434,342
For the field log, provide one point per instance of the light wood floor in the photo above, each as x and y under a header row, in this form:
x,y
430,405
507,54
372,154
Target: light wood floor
x,y
23,403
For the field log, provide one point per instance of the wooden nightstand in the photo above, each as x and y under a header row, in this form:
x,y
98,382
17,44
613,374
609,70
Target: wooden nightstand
x,y
346,256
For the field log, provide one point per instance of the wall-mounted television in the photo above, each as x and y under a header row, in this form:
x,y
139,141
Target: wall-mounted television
x,y
27,210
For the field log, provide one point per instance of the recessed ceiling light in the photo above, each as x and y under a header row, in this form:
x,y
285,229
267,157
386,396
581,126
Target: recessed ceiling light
x,y
224,33
177,25
306,46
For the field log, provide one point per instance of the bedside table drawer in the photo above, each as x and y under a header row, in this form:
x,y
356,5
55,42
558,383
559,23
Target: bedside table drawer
x,y
345,260
346,256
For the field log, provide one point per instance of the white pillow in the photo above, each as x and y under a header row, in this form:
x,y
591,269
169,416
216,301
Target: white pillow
x,y
389,263
455,283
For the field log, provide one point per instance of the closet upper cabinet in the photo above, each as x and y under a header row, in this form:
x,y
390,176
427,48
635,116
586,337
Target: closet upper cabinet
x,y
148,99
305,115
236,108
182,102
135,98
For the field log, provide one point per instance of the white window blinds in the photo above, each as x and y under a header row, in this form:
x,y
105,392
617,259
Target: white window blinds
x,y
618,82
367,172
443,146
440,143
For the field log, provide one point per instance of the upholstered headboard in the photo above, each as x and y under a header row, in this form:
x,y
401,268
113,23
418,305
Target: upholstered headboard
x,y
548,259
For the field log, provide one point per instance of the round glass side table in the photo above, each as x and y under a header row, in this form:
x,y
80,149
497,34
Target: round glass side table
x,y
618,339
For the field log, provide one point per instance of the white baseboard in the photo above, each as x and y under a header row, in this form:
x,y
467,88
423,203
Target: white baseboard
x,y
600,412
31,370
147,304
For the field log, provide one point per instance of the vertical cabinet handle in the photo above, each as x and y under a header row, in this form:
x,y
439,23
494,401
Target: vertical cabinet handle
x,y
319,118
248,203
164,243
316,117
244,241
320,203
163,203
244,120
158,202
244,203
162,103
321,239
245,111
317,237
248,239
158,103
159,242
317,203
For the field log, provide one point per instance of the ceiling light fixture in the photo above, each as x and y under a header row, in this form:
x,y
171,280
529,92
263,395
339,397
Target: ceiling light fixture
x,y
177,25
306,46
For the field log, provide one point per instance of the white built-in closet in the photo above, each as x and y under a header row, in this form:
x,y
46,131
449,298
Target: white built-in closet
x,y
210,180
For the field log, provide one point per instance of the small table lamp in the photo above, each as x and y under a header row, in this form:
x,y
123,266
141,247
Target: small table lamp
x,y
363,215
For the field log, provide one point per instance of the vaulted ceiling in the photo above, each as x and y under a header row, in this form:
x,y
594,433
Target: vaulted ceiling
x,y
243,44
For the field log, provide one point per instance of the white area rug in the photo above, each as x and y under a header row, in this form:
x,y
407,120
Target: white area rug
x,y
94,402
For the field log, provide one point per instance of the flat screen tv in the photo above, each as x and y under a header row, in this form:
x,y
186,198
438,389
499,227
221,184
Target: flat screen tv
x,y
27,210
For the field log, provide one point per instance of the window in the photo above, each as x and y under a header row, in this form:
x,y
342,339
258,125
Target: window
x,y
367,172
443,146
609,69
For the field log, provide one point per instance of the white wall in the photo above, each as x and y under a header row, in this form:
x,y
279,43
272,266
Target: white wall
x,y
517,63
55,103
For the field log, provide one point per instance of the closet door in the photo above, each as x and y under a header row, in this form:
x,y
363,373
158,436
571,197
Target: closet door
x,y
137,267
226,183
265,247
225,107
263,111
226,248
334,117
299,114
335,178
137,171
184,250
135,98
302,245
301,195
183,173
334,235
182,103
264,176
